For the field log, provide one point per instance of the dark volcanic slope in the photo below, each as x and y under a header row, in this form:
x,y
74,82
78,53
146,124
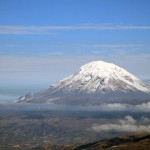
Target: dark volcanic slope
x,y
133,142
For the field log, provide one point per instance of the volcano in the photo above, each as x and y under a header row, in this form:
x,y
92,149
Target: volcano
x,y
95,83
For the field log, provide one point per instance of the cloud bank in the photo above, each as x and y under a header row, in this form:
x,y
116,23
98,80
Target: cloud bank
x,y
144,107
128,124
106,108
117,107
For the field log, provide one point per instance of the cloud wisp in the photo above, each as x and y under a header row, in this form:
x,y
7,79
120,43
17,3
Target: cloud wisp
x,y
117,107
128,124
50,29
144,107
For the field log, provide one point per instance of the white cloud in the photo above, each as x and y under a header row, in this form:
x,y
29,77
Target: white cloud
x,y
128,120
144,107
117,107
128,124
48,29
113,107
145,119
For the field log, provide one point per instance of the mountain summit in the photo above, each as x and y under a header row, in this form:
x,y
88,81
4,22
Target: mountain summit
x,y
95,83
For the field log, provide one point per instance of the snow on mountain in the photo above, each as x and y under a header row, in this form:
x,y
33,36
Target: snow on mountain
x,y
95,83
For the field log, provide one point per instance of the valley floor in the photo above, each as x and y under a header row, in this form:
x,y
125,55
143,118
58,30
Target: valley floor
x,y
66,129
131,142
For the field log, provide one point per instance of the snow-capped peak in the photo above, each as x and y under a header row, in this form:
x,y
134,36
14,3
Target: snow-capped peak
x,y
100,68
99,75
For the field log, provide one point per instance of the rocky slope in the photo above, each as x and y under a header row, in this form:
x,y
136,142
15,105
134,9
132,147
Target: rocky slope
x,y
95,83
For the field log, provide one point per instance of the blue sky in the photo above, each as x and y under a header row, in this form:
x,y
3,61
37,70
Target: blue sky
x,y
43,41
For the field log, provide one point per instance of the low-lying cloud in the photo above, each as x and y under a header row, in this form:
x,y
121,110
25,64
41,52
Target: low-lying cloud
x,y
128,124
144,107
116,107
